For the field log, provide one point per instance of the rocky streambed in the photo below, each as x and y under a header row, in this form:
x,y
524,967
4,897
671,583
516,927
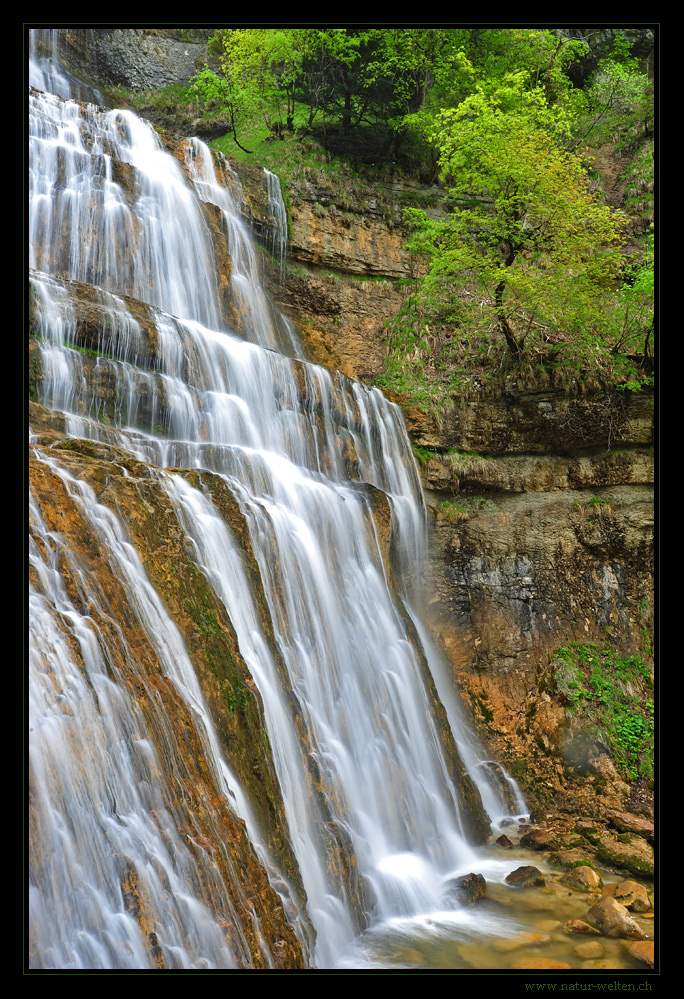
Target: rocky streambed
x,y
540,900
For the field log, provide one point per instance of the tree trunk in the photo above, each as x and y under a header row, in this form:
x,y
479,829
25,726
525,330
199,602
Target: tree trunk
x,y
346,116
513,345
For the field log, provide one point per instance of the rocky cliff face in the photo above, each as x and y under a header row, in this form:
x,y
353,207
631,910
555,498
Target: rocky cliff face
x,y
346,266
140,58
541,500
541,503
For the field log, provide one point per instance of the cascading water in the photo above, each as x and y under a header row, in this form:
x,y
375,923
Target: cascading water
x,y
370,782
279,216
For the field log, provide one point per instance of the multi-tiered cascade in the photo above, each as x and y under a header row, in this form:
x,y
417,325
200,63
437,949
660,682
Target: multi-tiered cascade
x,y
223,537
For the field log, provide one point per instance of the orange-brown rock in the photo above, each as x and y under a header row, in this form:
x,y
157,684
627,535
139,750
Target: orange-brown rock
x,y
201,811
631,894
521,940
590,950
644,951
579,926
613,920
582,879
540,964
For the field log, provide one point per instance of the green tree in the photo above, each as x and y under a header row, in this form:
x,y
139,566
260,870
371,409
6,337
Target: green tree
x,y
496,63
227,96
527,254
343,78
619,106
537,56
289,77
633,313
414,60
259,69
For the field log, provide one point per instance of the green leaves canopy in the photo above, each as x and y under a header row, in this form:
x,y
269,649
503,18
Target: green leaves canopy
x,y
526,258
527,252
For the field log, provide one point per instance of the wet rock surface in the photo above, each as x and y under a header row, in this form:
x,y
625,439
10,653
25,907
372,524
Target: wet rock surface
x,y
613,920
465,890
538,839
525,877
582,879
643,951
204,815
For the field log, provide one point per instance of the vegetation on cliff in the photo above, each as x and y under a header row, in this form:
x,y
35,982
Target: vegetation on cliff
x,y
532,271
534,246
611,698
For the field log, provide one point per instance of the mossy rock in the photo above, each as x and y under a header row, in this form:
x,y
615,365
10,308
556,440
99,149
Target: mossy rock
x,y
582,878
627,852
567,860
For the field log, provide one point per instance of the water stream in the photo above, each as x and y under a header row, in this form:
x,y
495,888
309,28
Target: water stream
x,y
306,455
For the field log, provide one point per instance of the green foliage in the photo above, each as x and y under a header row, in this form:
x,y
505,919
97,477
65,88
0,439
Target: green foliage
x,y
236,695
239,100
348,78
619,101
615,695
524,277
466,507
527,254
420,363
263,65
423,454
632,314
295,77
463,457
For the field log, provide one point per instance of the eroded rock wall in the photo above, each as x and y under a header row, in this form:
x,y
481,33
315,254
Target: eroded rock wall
x,y
254,915
139,58
541,500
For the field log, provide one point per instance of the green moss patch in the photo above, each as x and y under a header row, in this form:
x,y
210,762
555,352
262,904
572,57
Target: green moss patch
x,y
615,695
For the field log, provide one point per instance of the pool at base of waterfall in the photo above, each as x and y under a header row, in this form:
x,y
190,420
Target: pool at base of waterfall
x,y
510,928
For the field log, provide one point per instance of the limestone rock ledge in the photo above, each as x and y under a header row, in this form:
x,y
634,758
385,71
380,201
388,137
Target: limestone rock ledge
x,y
517,574
345,266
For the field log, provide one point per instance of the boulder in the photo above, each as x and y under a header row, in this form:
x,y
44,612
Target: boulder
x,y
582,879
644,951
465,890
628,851
626,822
587,828
579,926
567,860
538,839
590,950
630,894
613,920
525,877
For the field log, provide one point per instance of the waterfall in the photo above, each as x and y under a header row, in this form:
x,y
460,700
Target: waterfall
x,y
276,207
102,821
47,73
156,350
